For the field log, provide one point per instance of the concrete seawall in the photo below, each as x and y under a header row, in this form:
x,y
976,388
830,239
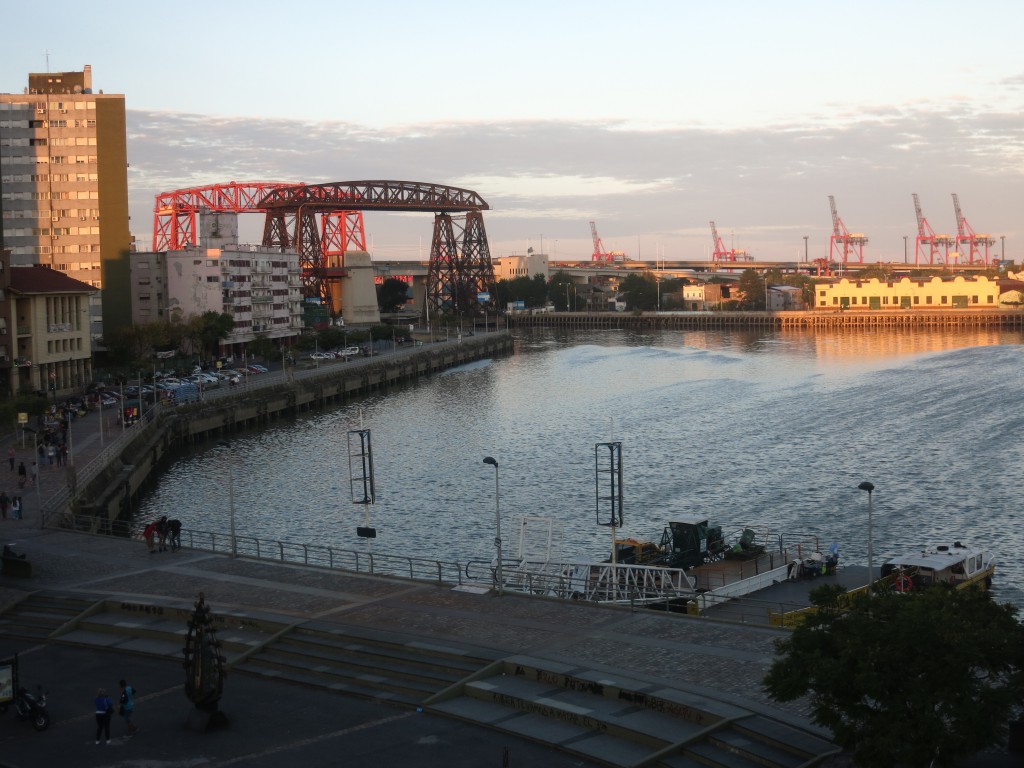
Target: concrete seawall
x,y
813,320
101,495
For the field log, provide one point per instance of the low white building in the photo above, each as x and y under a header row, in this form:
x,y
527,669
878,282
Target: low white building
x,y
511,267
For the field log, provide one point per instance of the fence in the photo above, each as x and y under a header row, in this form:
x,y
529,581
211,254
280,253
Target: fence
x,y
318,556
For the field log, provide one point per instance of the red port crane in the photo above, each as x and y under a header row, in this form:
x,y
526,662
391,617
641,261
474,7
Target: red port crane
x,y
721,253
964,234
842,240
926,236
600,254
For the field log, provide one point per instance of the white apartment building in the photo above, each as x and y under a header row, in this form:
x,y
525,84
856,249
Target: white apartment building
x,y
259,287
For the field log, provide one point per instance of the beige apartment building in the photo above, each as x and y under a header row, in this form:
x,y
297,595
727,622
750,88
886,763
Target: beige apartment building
x,y
44,330
927,293
64,166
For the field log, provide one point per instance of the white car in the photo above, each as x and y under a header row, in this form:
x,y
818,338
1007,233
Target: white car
x,y
350,352
321,356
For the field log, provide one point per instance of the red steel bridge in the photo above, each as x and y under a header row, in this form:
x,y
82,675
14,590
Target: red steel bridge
x,y
323,222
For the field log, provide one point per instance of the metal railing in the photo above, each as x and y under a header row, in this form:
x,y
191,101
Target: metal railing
x,y
313,555
80,477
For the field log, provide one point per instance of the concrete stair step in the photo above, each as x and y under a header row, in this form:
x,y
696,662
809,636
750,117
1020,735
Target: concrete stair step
x,y
360,657
619,721
332,675
41,614
784,737
351,687
386,644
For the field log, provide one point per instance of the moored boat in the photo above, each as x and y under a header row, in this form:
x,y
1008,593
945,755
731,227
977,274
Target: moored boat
x,y
959,565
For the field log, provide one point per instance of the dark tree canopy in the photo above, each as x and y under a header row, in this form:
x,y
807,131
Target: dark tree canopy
x,y
640,291
751,287
907,680
392,294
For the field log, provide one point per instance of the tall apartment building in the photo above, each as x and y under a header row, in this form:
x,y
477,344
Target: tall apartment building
x,y
64,186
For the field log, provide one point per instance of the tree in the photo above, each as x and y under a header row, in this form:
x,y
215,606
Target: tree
x,y
751,288
208,329
392,294
640,291
918,679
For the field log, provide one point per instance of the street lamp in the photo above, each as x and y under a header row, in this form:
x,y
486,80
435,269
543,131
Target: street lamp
x,y
866,486
805,247
231,495
497,514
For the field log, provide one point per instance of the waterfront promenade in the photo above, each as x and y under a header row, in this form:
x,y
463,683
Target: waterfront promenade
x,y
275,720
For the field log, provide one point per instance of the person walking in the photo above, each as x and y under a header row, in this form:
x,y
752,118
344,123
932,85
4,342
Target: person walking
x,y
104,710
5,502
126,707
22,474
174,533
161,532
16,508
10,457
51,453
149,533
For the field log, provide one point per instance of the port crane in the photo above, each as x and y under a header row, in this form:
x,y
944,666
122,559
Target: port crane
x,y
842,239
600,254
966,235
721,253
926,237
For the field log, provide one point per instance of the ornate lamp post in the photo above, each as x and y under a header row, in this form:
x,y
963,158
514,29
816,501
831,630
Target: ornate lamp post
x,y
497,512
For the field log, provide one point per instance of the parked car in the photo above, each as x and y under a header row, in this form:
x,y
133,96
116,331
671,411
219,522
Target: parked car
x,y
321,356
254,368
350,352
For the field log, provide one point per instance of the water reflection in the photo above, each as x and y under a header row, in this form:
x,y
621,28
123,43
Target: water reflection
x,y
735,427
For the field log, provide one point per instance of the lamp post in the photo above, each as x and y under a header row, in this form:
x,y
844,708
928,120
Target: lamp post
x,y
866,486
497,514
231,496
805,247
905,249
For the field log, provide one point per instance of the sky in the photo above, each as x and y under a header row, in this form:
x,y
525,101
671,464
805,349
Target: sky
x,y
649,118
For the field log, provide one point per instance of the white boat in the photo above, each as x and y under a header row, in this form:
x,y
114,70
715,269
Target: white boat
x,y
959,565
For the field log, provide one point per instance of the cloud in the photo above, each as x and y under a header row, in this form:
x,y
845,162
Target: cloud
x,y
649,190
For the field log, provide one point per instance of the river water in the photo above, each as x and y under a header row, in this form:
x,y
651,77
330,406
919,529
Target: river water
x,y
742,428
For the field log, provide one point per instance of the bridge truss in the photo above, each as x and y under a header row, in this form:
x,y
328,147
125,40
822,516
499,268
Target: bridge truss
x,y
324,222
460,262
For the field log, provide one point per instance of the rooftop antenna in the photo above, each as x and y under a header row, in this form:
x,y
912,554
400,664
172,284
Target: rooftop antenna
x,y
46,53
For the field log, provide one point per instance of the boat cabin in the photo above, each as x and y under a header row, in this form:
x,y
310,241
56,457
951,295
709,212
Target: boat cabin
x,y
958,565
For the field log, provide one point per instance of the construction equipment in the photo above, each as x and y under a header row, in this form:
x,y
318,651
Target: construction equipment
x,y
842,239
926,236
721,253
966,235
600,254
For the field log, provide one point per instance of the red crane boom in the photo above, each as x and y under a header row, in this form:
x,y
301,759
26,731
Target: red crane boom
x,y
966,235
720,252
842,240
926,236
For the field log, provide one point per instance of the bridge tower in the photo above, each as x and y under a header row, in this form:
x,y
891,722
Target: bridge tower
x,y
460,266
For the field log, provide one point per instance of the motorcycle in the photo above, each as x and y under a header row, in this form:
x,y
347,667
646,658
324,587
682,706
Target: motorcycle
x,y
30,707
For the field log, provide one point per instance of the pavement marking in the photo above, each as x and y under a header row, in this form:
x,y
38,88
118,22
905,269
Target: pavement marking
x,y
316,739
